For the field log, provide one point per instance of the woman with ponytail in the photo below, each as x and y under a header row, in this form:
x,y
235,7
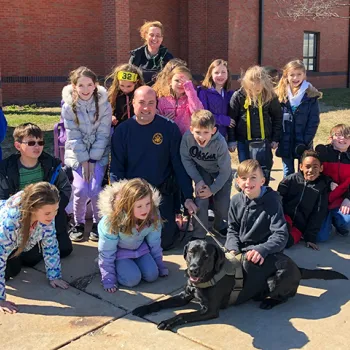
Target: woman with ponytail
x,y
26,218
87,116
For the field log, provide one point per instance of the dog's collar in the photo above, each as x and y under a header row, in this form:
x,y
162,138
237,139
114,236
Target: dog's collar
x,y
231,267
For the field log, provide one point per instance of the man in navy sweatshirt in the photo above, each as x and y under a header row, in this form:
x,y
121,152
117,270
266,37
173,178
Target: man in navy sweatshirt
x,y
147,146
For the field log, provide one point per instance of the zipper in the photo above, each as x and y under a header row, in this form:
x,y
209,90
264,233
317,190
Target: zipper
x,y
339,155
301,197
176,105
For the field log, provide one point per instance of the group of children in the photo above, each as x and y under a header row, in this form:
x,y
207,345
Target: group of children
x,y
259,117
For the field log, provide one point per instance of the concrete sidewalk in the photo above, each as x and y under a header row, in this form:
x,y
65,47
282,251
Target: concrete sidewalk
x,y
87,317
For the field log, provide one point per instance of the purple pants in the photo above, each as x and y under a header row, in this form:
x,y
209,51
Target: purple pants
x,y
83,191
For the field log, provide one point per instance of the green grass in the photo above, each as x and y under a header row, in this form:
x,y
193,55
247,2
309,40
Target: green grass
x,y
44,117
336,98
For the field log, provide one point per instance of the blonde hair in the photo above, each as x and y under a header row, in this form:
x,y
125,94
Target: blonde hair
x,y
162,76
123,218
147,25
248,166
342,129
74,76
257,75
208,80
281,88
203,119
164,88
33,198
114,89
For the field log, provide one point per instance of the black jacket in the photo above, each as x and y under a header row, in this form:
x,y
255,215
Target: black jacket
x,y
305,202
9,176
272,114
121,107
257,224
149,65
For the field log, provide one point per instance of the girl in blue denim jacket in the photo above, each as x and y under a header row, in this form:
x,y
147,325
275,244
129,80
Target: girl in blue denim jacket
x,y
26,218
129,235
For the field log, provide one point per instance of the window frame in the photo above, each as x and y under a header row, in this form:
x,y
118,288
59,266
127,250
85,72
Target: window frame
x,y
313,58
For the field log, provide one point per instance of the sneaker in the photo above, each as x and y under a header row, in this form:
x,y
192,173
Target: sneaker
x,y
222,233
94,233
76,234
211,215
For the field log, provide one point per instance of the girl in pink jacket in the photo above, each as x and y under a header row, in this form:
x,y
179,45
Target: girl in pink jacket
x,y
177,98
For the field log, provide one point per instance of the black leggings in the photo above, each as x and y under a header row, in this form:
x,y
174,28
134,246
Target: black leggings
x,y
29,259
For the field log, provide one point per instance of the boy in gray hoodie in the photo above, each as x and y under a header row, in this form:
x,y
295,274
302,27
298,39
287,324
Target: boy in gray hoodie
x,y
207,161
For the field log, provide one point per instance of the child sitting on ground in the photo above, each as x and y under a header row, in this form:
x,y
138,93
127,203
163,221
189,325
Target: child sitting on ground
x,y
207,161
130,234
256,224
305,199
26,219
336,164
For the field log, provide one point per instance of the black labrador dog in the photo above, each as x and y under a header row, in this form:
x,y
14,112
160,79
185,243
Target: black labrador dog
x,y
272,283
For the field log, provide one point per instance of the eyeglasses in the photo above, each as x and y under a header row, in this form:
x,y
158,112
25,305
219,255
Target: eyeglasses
x,y
340,136
33,143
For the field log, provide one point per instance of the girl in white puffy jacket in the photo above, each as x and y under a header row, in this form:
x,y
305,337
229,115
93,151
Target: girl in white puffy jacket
x,y
87,116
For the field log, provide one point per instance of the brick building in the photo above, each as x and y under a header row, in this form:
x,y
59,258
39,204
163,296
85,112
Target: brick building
x,y
41,41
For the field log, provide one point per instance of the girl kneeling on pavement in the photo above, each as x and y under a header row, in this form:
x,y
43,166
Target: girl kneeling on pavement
x,y
26,218
130,234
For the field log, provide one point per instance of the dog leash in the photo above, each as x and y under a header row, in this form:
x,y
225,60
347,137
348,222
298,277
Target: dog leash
x,y
210,234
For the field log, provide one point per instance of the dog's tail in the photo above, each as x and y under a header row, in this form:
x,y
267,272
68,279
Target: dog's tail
x,y
320,274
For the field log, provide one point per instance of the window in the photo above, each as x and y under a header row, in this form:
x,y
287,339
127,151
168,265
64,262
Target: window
x,y
310,50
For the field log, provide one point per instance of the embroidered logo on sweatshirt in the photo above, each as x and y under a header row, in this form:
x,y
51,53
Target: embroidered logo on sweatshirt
x,y
195,152
157,138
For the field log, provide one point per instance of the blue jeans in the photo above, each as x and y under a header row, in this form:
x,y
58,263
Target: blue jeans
x,y
131,271
242,156
340,221
288,166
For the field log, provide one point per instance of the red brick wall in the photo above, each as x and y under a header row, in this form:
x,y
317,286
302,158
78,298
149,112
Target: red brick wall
x,y
50,38
46,38
165,11
333,48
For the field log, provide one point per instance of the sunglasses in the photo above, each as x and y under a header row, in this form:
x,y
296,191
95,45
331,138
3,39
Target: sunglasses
x,y
33,143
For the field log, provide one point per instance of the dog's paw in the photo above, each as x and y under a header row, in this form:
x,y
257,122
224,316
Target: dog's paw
x,y
164,325
170,323
141,311
268,304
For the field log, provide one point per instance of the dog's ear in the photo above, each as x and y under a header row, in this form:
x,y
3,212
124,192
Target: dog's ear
x,y
219,258
185,250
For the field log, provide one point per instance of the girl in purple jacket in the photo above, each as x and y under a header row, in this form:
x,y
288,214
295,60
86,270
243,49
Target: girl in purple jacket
x,y
129,243
215,95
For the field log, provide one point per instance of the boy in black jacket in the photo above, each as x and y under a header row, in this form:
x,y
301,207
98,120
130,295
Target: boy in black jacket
x,y
30,165
257,226
305,199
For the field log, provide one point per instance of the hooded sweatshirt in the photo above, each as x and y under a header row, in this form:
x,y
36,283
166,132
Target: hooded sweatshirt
x,y
114,246
214,159
257,224
183,107
88,139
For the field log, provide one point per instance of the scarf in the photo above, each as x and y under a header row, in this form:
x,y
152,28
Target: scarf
x,y
296,99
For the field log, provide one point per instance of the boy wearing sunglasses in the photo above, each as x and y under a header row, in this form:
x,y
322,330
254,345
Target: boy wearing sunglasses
x,y
31,165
